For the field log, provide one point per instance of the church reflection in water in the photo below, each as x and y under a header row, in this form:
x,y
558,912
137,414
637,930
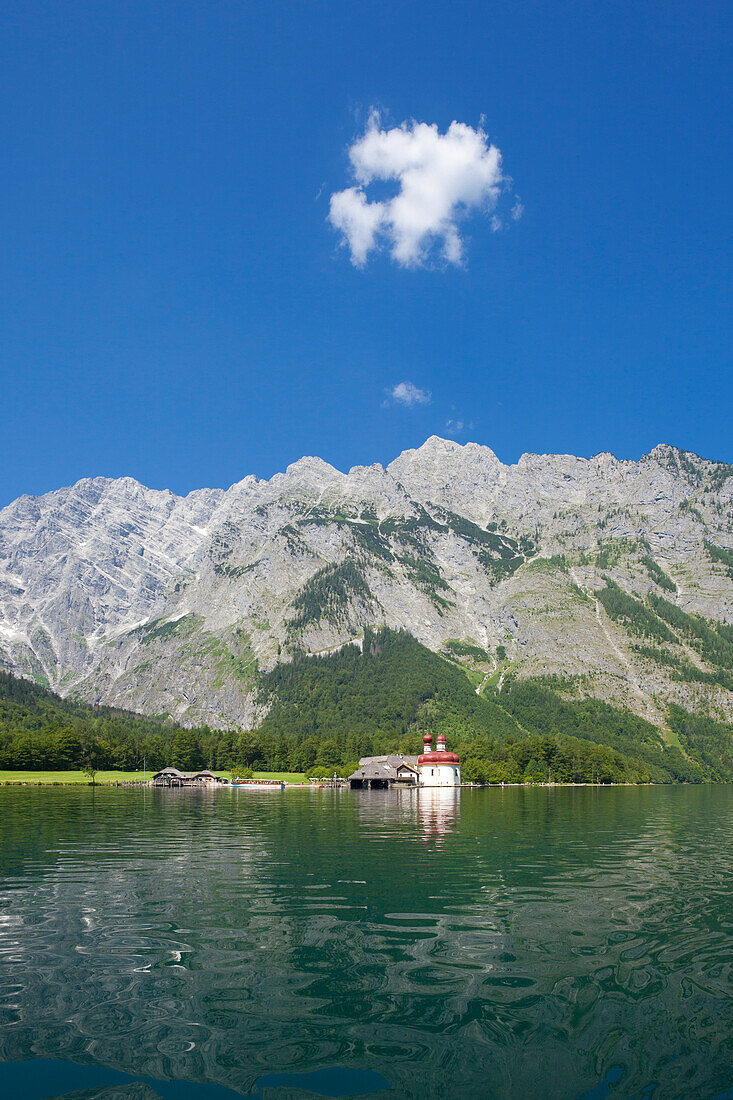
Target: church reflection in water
x,y
428,814
438,809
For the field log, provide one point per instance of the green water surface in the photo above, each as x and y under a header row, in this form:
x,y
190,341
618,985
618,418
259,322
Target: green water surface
x,y
477,943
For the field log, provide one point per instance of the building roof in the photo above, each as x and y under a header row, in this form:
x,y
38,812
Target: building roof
x,y
174,773
440,757
384,767
375,770
393,759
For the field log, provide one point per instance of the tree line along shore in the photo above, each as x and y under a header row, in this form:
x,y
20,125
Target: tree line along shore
x,y
327,712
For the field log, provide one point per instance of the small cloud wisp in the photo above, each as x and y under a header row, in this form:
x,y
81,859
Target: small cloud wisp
x,y
407,394
458,427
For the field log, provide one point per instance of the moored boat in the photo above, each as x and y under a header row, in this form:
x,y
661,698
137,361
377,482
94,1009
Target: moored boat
x,y
258,784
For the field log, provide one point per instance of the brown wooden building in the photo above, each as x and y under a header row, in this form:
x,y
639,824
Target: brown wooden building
x,y
172,777
380,772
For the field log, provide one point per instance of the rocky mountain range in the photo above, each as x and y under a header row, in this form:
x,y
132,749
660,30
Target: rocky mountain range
x,y
615,578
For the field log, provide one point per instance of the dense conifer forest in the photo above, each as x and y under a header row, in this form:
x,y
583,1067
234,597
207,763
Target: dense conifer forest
x,y
326,712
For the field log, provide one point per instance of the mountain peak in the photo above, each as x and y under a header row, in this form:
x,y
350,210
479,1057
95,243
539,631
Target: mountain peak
x,y
311,462
663,451
438,443
435,448
309,471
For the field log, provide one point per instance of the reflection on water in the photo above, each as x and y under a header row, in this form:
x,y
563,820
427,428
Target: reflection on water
x,y
564,943
437,811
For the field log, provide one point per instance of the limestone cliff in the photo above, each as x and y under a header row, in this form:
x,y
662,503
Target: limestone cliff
x,y
168,605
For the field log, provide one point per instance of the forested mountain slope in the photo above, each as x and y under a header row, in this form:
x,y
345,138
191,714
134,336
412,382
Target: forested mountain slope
x,y
323,713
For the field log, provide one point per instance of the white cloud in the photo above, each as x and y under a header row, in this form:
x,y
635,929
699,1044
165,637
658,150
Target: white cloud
x,y
457,427
405,393
358,220
440,178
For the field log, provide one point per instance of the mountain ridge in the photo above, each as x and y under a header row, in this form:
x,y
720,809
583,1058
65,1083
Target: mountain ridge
x,y
451,446
161,603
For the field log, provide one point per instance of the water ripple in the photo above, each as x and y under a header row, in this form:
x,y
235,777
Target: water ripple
x,y
562,943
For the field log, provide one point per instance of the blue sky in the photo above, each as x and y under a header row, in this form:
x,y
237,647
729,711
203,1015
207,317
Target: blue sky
x,y
176,306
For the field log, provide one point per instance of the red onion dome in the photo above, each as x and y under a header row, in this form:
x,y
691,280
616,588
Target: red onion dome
x,y
441,738
441,757
428,737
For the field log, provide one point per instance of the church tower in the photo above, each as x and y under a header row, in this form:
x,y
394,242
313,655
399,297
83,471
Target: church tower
x,y
438,768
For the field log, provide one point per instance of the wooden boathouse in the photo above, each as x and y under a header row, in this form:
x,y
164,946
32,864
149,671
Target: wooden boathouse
x,y
172,777
381,772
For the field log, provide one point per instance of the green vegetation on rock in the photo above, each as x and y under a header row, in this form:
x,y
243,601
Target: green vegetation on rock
x,y
455,648
327,595
657,574
721,556
38,730
163,630
632,613
685,671
541,711
712,640
709,741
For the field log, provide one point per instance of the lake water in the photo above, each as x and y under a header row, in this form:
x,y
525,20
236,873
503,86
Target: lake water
x,y
482,943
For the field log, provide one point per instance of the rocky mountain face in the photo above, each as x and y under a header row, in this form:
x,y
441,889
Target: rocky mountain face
x,y
167,605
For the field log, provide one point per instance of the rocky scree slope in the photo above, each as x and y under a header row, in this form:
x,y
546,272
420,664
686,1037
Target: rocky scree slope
x,y
615,576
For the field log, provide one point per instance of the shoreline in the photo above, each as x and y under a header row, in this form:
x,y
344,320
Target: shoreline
x,y
127,780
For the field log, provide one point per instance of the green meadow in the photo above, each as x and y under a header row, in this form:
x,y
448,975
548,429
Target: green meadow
x,y
79,777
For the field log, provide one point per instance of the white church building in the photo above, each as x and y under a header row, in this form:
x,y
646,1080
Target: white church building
x,y
438,768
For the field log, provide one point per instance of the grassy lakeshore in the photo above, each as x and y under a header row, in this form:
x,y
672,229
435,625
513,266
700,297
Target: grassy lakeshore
x,y
103,777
